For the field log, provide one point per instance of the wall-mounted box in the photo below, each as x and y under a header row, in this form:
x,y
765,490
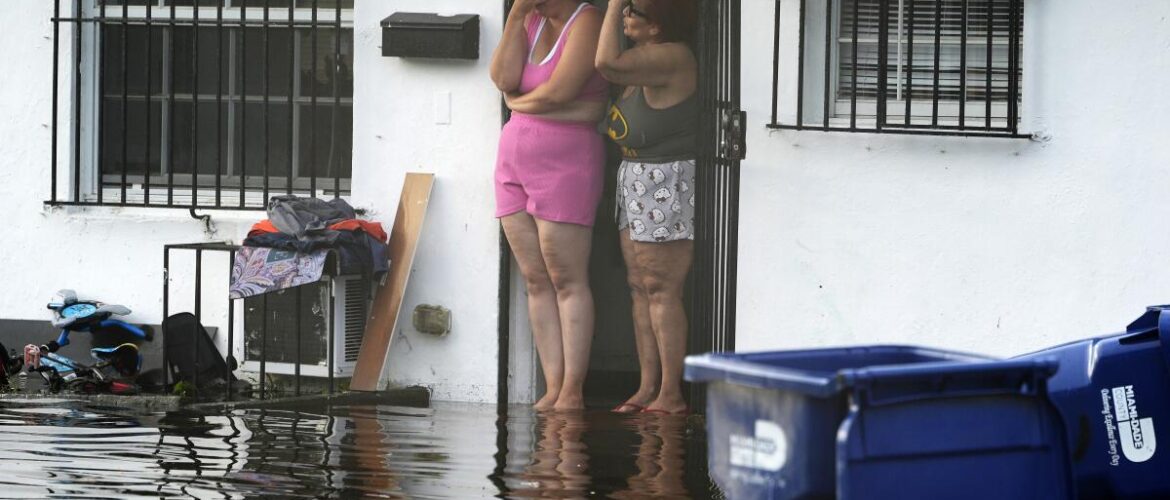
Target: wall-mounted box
x,y
412,34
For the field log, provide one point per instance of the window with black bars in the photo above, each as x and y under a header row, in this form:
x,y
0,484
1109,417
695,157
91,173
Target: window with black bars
x,y
937,67
203,103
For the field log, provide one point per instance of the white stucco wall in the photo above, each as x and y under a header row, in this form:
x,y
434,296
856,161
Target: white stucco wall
x,y
116,254
396,130
991,245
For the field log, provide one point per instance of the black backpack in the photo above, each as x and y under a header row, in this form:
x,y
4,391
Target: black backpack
x,y
191,353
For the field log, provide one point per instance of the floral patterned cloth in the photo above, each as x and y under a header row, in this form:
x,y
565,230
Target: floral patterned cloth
x,y
258,270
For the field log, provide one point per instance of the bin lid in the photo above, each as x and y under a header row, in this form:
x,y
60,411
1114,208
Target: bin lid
x,y
428,20
814,372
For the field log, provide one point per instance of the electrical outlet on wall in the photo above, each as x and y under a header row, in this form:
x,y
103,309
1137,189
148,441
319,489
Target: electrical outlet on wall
x,y
442,103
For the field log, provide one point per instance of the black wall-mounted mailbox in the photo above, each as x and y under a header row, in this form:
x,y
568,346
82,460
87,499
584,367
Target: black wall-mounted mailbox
x,y
411,34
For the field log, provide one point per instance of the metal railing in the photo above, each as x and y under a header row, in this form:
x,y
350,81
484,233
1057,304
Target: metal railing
x,y
928,67
230,347
173,106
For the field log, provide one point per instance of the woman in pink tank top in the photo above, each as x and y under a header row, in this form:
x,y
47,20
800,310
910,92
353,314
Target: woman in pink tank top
x,y
548,177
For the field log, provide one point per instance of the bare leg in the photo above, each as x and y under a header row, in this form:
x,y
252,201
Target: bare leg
x,y
664,267
566,257
521,230
644,340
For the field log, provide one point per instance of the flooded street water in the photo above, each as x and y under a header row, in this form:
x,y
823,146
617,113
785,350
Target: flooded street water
x,y
69,449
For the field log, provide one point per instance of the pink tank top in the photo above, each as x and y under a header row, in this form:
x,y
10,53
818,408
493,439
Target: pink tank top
x,y
536,73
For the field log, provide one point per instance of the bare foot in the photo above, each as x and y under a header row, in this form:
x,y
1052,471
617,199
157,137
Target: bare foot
x,y
567,402
547,402
628,407
675,405
635,403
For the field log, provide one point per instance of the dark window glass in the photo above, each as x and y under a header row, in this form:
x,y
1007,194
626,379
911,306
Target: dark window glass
x,y
218,95
916,76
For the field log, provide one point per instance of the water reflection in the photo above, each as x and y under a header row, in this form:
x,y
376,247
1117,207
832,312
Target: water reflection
x,y
558,466
69,448
661,459
597,453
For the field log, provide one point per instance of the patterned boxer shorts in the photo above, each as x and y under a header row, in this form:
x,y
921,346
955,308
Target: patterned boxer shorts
x,y
656,200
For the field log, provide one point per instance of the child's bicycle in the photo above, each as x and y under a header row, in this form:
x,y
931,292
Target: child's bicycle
x,y
115,368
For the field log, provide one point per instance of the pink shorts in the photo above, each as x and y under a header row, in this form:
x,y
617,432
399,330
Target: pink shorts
x,y
551,169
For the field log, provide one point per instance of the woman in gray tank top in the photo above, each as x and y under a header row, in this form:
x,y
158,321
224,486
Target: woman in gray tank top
x,y
654,122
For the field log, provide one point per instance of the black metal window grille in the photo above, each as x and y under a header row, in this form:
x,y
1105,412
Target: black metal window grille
x,y
203,103
937,67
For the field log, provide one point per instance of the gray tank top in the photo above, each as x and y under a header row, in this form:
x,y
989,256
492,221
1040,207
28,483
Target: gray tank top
x,y
654,135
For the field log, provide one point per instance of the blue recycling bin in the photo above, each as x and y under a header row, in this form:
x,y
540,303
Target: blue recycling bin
x,y
881,422
1114,394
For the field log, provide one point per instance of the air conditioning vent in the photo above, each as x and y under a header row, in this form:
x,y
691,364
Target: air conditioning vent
x,y
271,323
355,318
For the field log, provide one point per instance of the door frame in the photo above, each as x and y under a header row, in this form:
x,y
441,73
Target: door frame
x,y
722,147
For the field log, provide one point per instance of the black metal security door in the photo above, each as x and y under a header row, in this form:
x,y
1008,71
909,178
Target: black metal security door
x,y
721,147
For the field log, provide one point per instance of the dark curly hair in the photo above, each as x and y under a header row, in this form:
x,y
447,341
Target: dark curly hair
x,y
675,18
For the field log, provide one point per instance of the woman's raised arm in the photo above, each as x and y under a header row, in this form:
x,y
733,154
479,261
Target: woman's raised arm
x,y
652,65
508,58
